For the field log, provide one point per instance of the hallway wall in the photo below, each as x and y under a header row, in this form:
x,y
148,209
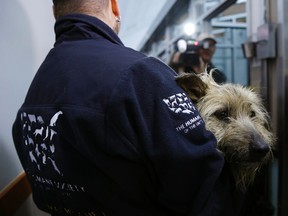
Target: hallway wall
x,y
26,37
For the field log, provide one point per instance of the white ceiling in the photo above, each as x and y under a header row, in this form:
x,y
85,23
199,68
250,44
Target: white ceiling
x,y
140,18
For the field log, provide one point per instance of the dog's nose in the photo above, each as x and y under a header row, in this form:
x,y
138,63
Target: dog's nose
x,y
259,148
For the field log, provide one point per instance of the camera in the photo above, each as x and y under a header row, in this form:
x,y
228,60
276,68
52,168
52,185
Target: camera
x,y
189,50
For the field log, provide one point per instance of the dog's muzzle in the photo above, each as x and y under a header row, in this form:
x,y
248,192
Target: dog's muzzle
x,y
258,148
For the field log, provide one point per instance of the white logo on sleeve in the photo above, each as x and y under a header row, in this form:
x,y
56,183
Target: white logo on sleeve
x,y
39,138
180,103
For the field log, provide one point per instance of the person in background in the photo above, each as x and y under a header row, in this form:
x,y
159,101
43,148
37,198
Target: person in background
x,y
207,48
195,56
105,130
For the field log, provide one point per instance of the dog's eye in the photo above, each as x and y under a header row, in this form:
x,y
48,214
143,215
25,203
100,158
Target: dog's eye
x,y
252,114
222,115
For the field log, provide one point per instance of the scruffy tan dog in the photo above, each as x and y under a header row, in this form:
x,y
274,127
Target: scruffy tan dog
x,y
239,121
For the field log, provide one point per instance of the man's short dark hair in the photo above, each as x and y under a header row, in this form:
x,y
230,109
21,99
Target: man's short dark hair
x,y
64,7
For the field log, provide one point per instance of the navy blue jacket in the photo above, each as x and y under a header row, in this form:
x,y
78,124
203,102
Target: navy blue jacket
x,y
105,130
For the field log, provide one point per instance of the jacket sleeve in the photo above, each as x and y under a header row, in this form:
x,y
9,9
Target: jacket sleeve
x,y
156,120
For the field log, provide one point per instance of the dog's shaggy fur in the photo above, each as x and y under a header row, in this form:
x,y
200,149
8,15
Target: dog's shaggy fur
x,y
239,121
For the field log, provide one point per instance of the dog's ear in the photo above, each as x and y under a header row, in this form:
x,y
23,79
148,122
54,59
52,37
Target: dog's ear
x,y
192,85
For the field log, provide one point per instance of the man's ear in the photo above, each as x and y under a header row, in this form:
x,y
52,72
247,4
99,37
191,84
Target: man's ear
x,y
192,85
115,8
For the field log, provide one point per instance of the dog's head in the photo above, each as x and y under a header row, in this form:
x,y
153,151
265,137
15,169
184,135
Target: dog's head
x,y
238,119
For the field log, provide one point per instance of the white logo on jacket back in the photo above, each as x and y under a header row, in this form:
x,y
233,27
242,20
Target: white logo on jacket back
x,y
39,139
180,103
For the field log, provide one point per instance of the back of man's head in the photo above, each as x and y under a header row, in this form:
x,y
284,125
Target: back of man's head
x,y
90,7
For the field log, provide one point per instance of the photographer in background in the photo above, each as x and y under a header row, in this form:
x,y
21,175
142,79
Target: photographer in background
x,y
207,47
194,56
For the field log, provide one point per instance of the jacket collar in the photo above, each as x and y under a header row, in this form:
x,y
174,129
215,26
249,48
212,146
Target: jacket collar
x,y
80,26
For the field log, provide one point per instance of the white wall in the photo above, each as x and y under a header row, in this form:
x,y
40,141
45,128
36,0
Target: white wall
x,y
26,35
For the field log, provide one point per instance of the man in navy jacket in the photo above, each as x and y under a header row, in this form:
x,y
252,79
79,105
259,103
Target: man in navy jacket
x,y
105,130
